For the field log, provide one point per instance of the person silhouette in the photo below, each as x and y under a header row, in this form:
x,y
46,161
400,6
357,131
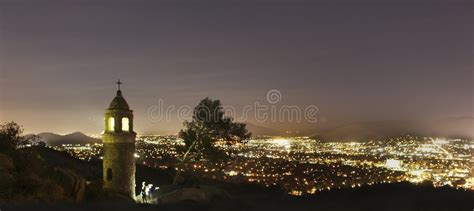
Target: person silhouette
x,y
148,191
143,192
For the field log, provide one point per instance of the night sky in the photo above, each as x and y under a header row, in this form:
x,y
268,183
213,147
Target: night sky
x,y
355,60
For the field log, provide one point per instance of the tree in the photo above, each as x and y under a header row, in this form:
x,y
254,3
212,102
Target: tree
x,y
208,126
11,136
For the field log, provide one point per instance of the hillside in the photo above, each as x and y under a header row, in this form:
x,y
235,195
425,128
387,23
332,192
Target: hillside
x,y
59,171
39,174
389,197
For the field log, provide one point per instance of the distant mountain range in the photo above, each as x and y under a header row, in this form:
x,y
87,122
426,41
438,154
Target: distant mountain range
x,y
462,127
52,139
262,131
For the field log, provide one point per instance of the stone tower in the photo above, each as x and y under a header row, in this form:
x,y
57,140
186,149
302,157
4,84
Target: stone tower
x,y
119,147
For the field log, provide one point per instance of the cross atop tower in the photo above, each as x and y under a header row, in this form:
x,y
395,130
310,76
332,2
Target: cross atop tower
x,y
119,83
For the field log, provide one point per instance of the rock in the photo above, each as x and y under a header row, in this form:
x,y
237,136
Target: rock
x,y
73,185
6,163
6,179
198,194
180,195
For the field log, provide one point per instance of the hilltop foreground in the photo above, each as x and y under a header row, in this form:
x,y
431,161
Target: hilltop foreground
x,y
58,182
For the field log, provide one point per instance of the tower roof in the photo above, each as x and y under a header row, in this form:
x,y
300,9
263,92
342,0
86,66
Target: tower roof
x,y
119,102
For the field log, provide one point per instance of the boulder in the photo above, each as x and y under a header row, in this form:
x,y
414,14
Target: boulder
x,y
6,163
73,185
6,180
199,194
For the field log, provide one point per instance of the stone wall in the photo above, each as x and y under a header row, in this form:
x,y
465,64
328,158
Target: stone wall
x,y
119,168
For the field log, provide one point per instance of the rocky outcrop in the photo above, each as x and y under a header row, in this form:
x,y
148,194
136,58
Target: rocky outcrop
x,y
26,177
6,176
6,163
73,185
199,194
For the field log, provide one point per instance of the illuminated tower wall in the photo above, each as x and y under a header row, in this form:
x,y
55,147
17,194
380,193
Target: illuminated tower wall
x,y
119,148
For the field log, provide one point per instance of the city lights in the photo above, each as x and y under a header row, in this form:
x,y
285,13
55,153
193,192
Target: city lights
x,y
301,165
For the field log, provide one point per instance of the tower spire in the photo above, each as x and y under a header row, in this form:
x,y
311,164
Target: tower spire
x,y
119,83
118,163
